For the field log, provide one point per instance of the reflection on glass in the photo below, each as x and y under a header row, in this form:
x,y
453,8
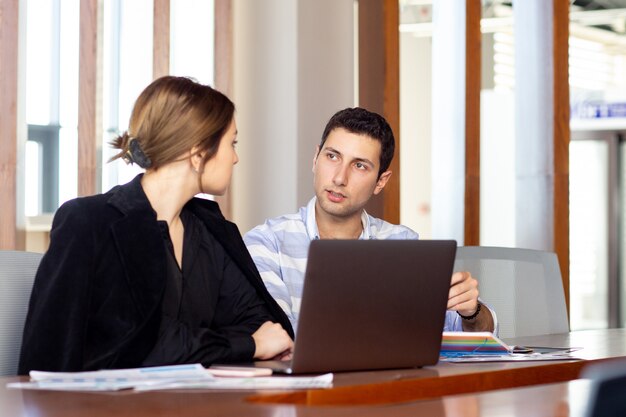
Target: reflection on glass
x,y
588,234
457,406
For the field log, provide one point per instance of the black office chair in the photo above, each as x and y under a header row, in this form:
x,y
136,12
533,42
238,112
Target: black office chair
x,y
17,274
607,396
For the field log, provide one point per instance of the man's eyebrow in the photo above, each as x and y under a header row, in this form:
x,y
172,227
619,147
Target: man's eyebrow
x,y
331,149
363,160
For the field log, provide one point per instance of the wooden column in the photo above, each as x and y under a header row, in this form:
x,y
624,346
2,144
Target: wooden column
x,y
88,99
161,39
473,59
561,139
223,63
379,86
9,17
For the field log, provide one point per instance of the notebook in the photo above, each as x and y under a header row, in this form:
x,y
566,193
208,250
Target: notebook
x,y
371,304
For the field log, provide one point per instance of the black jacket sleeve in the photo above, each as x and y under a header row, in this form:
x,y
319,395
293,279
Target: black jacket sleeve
x,y
55,326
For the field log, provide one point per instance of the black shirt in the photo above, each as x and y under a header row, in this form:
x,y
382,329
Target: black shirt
x,y
209,310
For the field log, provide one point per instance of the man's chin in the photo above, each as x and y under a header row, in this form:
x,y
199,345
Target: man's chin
x,y
335,209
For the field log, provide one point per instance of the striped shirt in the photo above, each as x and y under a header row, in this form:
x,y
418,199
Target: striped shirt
x,y
280,247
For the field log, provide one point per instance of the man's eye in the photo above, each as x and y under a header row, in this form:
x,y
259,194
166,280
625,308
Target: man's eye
x,y
360,165
332,156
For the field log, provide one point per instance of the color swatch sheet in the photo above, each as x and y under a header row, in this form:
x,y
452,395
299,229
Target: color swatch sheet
x,y
455,344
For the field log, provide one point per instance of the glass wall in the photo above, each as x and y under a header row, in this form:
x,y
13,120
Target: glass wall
x,y
597,78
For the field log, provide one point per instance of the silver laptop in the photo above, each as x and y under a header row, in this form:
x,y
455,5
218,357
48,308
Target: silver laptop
x,y
371,304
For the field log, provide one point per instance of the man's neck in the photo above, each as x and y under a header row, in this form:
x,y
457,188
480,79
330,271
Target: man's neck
x,y
330,227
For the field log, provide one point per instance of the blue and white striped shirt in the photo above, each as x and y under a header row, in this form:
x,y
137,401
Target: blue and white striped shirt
x,y
280,247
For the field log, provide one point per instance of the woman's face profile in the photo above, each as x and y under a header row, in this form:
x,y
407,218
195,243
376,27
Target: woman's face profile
x,y
219,169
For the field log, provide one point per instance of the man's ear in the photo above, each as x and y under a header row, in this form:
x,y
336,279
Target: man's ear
x,y
382,181
317,152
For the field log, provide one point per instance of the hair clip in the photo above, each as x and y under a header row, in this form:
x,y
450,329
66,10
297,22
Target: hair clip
x,y
136,155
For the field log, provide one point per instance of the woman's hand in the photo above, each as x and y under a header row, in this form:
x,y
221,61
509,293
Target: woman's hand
x,y
271,340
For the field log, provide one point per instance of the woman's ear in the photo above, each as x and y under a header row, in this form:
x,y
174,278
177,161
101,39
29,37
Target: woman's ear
x,y
195,159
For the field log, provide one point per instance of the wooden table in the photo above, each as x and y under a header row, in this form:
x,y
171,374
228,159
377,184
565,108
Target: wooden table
x,y
560,399
446,389
450,378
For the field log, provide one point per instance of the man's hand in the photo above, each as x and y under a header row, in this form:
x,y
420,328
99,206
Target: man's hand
x,y
271,340
463,295
463,298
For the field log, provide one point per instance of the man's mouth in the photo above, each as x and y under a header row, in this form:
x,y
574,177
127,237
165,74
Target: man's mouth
x,y
335,196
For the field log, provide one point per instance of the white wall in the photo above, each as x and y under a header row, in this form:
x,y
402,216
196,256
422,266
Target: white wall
x,y
293,68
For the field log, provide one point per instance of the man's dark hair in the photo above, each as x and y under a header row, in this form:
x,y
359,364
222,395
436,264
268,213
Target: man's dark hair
x,y
363,122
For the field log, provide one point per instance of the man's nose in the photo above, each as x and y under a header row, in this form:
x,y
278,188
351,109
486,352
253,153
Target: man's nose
x,y
341,175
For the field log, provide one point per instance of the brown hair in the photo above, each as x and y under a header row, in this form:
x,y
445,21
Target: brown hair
x,y
363,122
171,116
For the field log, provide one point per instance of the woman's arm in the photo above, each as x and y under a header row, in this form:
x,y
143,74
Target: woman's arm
x,y
240,329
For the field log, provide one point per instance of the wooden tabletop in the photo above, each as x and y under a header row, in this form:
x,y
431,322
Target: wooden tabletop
x,y
455,378
446,389
555,400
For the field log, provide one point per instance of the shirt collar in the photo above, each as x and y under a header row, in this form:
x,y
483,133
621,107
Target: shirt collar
x,y
311,224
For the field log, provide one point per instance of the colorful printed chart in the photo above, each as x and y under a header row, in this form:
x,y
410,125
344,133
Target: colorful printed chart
x,y
472,343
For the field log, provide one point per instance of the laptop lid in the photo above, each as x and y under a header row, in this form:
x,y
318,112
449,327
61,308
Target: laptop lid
x,y
373,304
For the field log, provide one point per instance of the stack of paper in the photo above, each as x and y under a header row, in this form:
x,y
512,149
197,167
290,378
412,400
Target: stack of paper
x,y
193,376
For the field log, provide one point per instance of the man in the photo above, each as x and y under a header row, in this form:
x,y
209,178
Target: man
x,y
350,166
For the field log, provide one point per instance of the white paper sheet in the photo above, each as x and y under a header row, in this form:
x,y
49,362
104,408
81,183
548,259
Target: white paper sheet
x,y
193,376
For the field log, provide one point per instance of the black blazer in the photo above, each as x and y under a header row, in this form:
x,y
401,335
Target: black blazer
x,y
96,299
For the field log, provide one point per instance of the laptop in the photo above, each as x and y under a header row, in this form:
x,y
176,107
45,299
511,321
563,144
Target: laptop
x,y
371,304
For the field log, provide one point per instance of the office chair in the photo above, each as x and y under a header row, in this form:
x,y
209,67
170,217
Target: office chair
x,y
523,286
608,384
17,274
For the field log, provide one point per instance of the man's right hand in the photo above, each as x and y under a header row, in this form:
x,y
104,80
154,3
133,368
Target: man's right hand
x,y
271,340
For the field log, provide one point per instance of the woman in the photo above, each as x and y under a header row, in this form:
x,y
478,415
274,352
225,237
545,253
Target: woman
x,y
145,274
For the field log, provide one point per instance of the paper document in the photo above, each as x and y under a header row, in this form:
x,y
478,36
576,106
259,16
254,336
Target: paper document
x,y
193,376
273,382
113,379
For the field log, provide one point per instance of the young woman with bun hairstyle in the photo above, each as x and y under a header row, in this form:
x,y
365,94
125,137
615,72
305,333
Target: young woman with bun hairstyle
x,y
146,274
